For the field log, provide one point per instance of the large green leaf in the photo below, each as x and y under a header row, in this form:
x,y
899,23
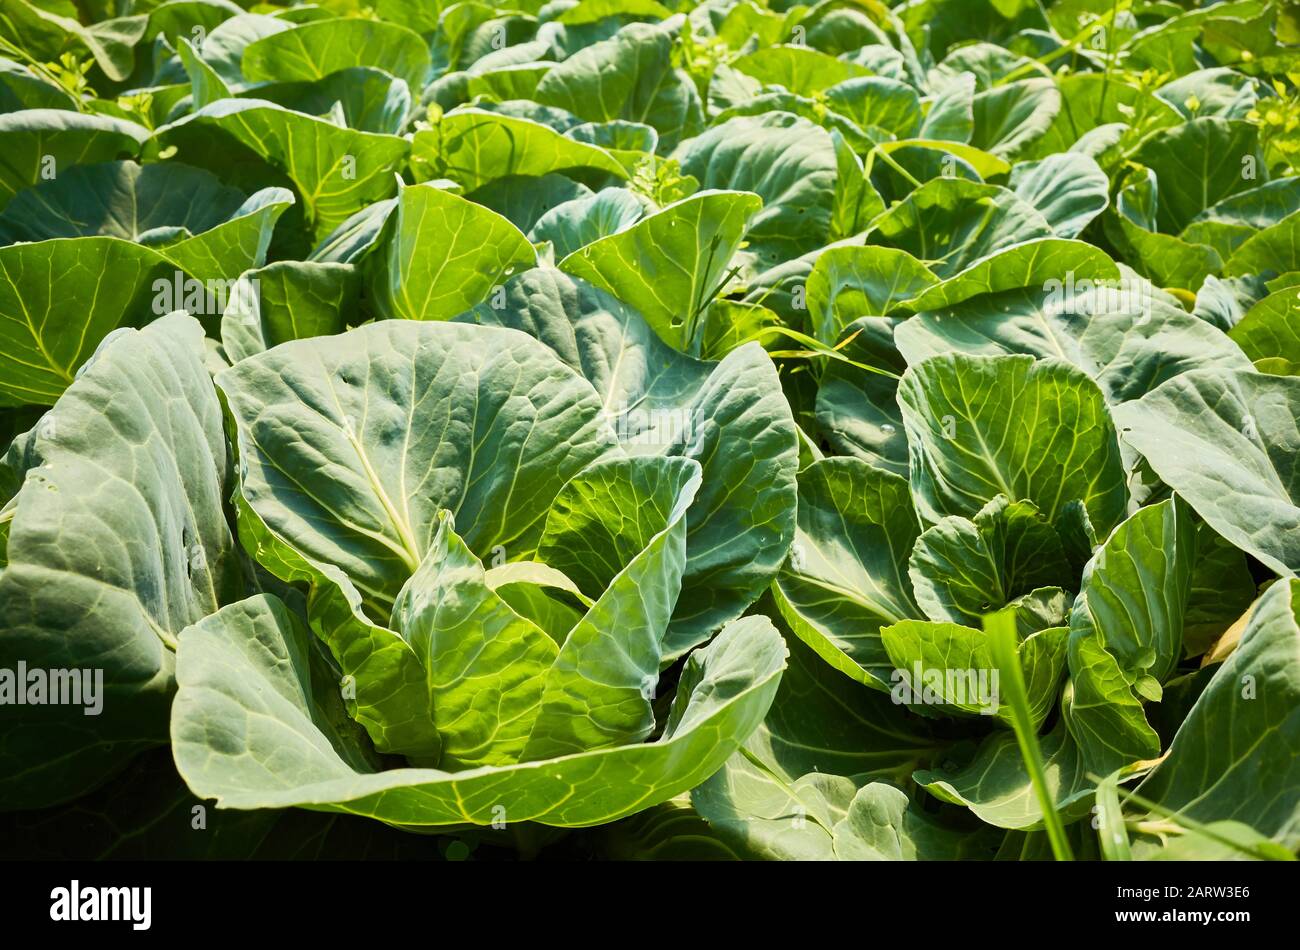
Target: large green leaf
x,y
950,667
988,63
473,147
951,115
1038,431
669,265
485,664
1069,189
1135,589
397,420
593,11
335,171
1198,164
42,143
1274,250
856,281
206,84
1227,442
1032,263
245,673
878,102
314,50
629,76
846,576
1010,116
60,298
801,69
287,300
573,224
1269,333
505,689
883,824
118,541
441,254
785,160
1128,337
362,97
383,682
485,423
1126,632
1235,756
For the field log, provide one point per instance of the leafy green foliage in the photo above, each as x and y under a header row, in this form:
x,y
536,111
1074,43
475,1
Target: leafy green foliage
x,y
856,431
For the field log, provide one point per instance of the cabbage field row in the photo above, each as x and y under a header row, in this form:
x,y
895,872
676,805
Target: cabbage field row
x,y
619,429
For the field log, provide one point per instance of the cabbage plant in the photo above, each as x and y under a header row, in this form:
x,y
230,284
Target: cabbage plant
x,y
382,466
490,579
1016,498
